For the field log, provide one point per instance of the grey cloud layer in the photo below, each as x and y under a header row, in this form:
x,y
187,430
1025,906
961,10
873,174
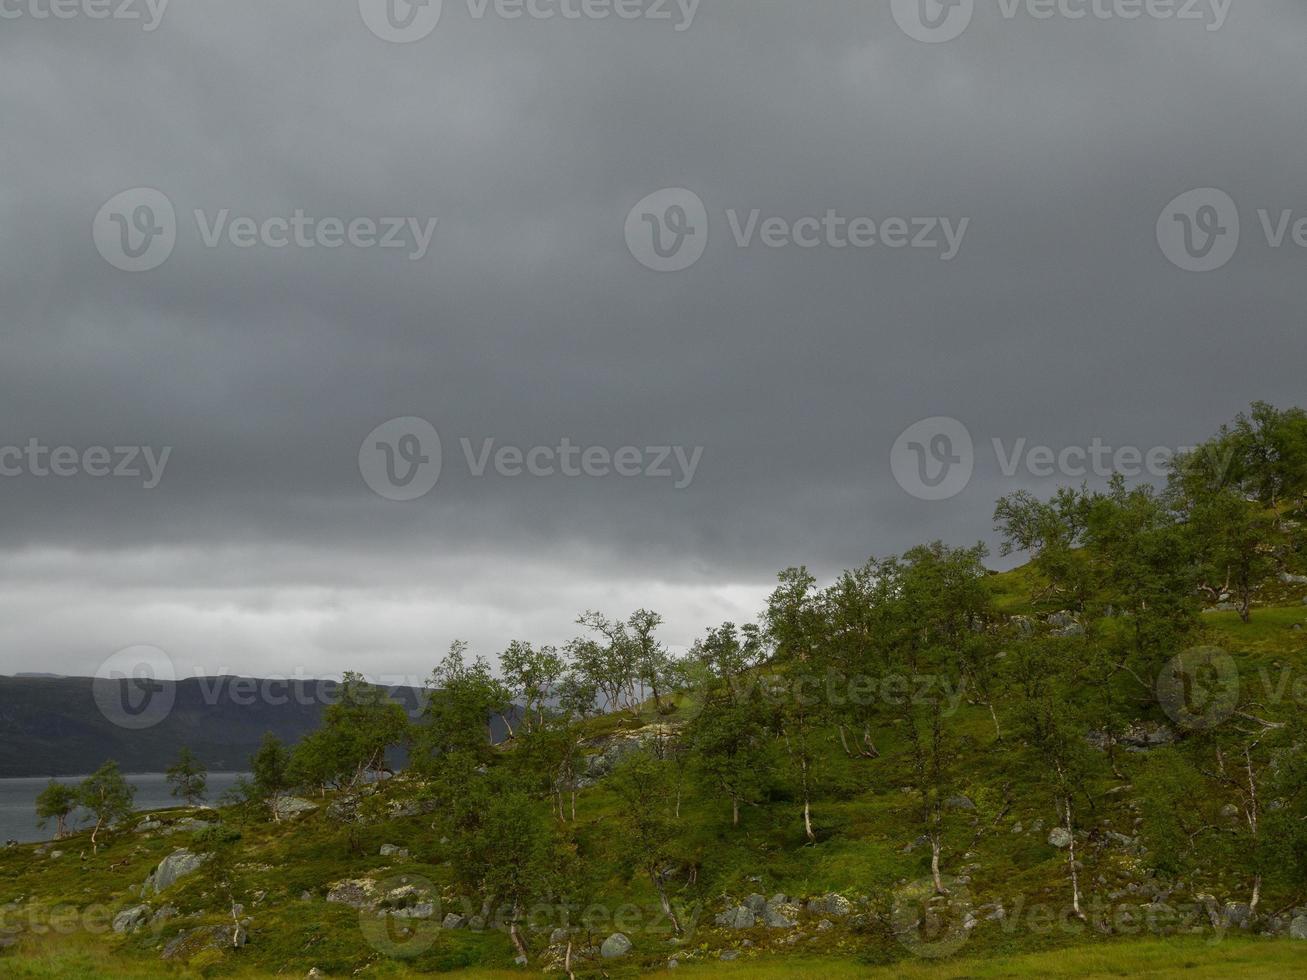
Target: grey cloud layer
x,y
529,321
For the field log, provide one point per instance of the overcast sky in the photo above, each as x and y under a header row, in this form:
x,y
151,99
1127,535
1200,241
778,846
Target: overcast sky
x,y
1051,148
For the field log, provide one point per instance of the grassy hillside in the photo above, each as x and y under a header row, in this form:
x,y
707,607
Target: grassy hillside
x,y
1007,913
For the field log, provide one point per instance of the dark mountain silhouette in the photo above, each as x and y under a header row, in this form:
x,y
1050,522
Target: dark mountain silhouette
x,y
53,726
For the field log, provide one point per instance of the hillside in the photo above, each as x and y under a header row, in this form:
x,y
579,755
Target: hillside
x,y
308,889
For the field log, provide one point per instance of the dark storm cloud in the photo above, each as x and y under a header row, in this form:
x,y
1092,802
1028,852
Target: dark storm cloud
x,y
528,321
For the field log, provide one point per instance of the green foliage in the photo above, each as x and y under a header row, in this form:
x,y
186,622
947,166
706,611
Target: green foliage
x,y
270,767
108,796
56,802
358,728
462,699
188,777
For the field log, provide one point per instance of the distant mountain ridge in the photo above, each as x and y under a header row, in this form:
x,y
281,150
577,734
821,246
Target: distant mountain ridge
x,y
52,726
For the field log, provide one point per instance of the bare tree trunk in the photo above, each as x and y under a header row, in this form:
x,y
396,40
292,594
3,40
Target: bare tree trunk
x,y
998,732
1071,860
567,961
573,804
516,935
844,741
735,811
935,850
95,848
666,903
1252,823
870,747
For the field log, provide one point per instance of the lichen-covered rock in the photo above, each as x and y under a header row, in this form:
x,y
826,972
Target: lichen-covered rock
x,y
740,917
131,919
172,869
838,906
357,893
391,850
1059,837
1238,914
163,915
189,944
615,946
780,916
288,807
187,825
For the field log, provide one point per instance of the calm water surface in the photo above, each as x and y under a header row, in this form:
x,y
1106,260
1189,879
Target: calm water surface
x,y
18,800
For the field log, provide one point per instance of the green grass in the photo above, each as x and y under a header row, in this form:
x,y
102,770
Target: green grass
x,y
75,959
1145,958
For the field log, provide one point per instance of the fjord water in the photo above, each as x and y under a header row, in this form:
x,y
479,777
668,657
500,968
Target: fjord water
x,y
18,801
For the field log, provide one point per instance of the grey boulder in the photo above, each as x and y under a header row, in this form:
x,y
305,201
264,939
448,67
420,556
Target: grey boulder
x,y
615,946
